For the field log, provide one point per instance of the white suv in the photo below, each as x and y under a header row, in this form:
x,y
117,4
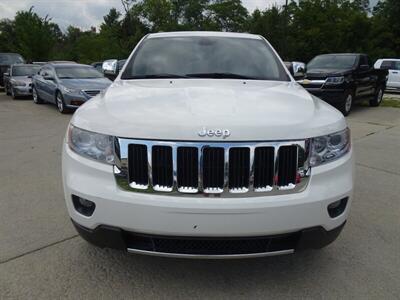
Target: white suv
x,y
393,66
205,146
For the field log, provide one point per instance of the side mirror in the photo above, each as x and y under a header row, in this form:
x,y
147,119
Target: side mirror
x,y
298,70
110,67
364,67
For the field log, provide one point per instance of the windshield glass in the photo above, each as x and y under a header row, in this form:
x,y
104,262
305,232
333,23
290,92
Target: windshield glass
x,y
24,70
205,57
77,72
332,61
10,58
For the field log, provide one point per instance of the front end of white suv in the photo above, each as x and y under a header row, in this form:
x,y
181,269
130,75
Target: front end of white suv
x,y
208,168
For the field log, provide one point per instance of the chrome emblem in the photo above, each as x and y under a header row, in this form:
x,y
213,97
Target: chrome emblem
x,y
224,133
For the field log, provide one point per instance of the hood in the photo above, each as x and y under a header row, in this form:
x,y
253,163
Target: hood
x,y
324,73
86,84
179,109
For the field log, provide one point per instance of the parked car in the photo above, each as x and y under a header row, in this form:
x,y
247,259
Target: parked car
x,y
393,67
6,60
98,66
18,79
67,85
342,79
205,146
112,67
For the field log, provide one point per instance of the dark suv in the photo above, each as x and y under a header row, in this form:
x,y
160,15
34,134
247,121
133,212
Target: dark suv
x,y
6,60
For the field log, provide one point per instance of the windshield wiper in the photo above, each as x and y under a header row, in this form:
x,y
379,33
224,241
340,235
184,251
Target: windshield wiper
x,y
161,75
221,75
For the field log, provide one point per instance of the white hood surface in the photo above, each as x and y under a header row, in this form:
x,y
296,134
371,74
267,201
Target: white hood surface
x,y
177,109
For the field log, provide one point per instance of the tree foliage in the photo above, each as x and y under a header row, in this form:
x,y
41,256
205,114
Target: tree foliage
x,y
298,31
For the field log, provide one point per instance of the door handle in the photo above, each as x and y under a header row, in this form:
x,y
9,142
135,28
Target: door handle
x,y
395,72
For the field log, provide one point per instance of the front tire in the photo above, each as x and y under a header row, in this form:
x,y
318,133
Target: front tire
x,y
61,104
35,96
346,105
6,90
377,100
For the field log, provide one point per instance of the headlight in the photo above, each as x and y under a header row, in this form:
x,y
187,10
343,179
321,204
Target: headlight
x,y
68,90
330,147
18,83
334,80
93,145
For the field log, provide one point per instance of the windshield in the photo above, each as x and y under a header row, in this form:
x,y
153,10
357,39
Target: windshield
x,y
332,61
10,58
25,70
77,72
205,57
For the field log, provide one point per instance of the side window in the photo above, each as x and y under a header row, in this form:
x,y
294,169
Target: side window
x,y
387,64
364,60
396,65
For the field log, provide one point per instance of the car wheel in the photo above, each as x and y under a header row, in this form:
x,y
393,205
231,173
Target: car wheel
x,y
377,100
347,104
35,96
60,104
7,90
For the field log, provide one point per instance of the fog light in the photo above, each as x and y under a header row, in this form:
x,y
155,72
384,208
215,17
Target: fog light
x,y
77,102
83,206
336,208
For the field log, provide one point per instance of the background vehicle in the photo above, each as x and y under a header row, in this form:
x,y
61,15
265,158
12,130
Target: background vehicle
x,y
342,79
98,65
393,67
177,157
19,79
112,67
6,60
67,85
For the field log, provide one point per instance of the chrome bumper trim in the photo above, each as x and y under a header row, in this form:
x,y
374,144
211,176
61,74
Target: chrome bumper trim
x,y
211,256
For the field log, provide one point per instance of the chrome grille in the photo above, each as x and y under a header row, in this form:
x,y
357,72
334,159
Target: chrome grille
x,y
91,93
212,169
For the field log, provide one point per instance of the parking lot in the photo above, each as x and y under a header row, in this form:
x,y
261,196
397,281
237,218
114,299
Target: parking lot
x,y
41,255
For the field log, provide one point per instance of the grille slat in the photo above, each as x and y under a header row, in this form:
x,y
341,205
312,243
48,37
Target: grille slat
x,y
191,168
264,168
287,166
188,168
213,169
239,168
162,167
138,166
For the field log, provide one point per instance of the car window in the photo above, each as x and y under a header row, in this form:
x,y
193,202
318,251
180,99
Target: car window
x,y
332,61
205,57
363,60
396,65
387,64
73,72
24,70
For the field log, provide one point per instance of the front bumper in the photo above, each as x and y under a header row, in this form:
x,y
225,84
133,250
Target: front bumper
x,y
152,215
22,90
74,100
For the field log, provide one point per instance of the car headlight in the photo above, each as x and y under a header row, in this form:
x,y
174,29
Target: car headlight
x,y
92,145
329,147
68,90
18,83
334,80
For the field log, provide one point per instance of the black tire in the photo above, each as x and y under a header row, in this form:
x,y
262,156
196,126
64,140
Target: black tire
x,y
346,105
377,100
61,104
35,96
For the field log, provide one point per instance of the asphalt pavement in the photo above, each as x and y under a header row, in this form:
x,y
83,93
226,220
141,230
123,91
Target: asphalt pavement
x,y
41,256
